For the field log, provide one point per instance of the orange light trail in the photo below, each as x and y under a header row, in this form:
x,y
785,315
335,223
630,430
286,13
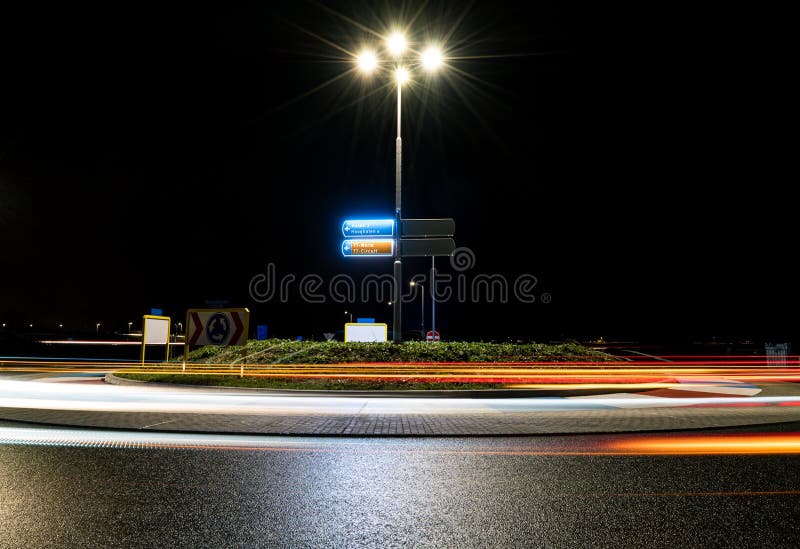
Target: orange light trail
x,y
762,443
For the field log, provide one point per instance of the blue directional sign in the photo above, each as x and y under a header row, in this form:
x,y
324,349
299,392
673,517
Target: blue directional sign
x,y
368,247
367,228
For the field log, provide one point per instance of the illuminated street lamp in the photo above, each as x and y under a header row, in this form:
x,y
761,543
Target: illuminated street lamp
x,y
396,43
129,326
351,316
430,59
367,61
401,76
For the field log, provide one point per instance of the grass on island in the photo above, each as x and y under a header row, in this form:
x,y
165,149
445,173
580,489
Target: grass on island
x,y
286,351
283,351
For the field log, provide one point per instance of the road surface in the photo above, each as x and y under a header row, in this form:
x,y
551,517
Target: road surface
x,y
345,492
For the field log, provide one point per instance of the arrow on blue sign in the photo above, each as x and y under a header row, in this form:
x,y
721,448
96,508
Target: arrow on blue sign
x,y
367,228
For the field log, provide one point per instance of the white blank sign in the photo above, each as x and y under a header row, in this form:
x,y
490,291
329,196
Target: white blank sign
x,y
156,331
367,333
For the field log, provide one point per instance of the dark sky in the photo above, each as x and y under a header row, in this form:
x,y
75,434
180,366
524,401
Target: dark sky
x,y
157,156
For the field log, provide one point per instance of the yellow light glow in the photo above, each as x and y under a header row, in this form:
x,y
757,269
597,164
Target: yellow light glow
x,y
396,43
367,61
402,76
432,58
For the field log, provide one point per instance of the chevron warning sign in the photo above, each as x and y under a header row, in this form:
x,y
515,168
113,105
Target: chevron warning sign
x,y
217,326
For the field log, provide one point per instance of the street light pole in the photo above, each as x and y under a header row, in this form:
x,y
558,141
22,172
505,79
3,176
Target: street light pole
x,y
367,61
397,329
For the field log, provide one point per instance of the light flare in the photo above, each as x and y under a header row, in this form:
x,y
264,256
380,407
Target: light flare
x,y
401,75
396,43
367,61
432,58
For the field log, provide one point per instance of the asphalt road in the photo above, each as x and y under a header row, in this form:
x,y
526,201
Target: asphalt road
x,y
374,492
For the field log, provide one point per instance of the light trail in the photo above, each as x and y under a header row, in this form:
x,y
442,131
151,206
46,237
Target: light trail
x,y
587,445
762,443
518,375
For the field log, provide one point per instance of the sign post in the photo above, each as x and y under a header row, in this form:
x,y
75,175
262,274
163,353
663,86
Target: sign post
x,y
412,238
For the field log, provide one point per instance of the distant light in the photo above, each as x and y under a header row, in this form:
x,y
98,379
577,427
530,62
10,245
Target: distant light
x,y
60,325
396,43
30,325
412,283
401,74
432,58
367,61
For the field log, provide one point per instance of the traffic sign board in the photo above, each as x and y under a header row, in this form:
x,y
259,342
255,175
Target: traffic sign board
x,y
368,247
217,326
432,336
426,247
423,228
367,228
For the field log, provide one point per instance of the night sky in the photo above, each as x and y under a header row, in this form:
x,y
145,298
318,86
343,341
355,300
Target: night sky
x,y
157,156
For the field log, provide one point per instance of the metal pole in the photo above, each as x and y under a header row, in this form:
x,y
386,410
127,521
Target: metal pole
x,y
432,284
397,327
423,312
